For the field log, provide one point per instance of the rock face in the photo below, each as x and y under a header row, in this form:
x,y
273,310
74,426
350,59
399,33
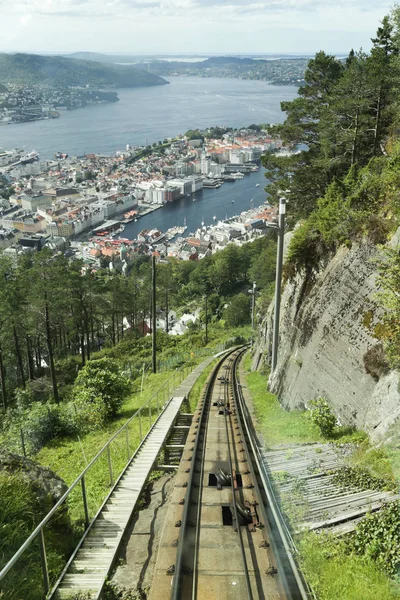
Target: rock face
x,y
326,342
45,482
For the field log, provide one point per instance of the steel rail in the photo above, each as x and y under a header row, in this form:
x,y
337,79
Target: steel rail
x,y
290,576
199,499
177,578
234,500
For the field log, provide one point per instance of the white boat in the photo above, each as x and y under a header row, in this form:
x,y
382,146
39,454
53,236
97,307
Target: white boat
x,y
257,185
215,218
30,157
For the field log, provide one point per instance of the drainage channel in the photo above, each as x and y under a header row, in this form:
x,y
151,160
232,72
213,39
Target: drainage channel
x,y
216,538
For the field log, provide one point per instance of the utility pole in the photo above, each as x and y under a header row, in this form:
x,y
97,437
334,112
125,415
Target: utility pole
x,y
253,302
278,281
206,319
153,315
3,381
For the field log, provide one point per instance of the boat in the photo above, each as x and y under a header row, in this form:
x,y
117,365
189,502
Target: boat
x,y
194,199
215,218
257,185
232,202
30,157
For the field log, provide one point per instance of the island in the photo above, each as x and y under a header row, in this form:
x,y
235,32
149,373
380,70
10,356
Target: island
x,y
277,71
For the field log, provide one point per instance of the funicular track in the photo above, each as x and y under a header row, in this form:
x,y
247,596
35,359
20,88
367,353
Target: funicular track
x,y
224,537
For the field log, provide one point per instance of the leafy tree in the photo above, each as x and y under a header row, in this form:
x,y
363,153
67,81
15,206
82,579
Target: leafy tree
x,y
238,310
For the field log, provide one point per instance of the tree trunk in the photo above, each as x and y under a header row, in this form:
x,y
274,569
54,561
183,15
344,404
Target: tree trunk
x,y
3,381
377,122
19,356
82,338
86,323
355,136
38,353
31,369
113,330
50,349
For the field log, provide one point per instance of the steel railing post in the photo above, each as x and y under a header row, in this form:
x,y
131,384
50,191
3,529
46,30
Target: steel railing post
x,y
85,504
110,465
140,425
43,561
150,413
128,450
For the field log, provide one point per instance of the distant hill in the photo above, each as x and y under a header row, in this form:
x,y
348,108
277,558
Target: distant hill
x,y
104,58
61,71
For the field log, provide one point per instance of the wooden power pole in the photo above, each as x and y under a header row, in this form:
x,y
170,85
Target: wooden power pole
x,y
153,315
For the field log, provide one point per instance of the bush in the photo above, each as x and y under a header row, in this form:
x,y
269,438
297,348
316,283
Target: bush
x,y
321,415
40,423
99,391
375,362
378,537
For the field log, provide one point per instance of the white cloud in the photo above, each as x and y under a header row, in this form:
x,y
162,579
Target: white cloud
x,y
190,26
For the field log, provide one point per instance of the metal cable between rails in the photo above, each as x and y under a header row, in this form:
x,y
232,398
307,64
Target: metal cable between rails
x,y
177,579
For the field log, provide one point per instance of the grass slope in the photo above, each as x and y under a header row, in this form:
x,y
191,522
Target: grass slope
x,y
60,71
277,425
333,572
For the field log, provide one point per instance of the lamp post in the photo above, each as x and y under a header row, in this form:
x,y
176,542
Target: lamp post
x,y
253,302
278,281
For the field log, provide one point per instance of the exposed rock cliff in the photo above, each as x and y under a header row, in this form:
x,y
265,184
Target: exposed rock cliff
x,y
326,345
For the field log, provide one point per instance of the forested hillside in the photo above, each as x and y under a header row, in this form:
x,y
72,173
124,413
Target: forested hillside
x,y
53,312
33,69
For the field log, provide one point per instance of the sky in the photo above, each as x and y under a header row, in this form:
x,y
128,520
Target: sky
x,y
189,26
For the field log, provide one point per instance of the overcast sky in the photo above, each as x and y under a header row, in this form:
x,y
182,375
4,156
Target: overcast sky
x,y
189,26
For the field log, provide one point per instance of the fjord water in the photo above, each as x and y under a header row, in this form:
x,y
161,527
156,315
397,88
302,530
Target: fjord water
x,y
208,203
151,113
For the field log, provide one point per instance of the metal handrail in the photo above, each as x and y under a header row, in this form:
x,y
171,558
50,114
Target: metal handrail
x,y
61,501
38,531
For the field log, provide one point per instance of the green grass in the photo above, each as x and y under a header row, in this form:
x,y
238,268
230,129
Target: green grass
x,y
69,456
335,574
198,387
277,425
331,570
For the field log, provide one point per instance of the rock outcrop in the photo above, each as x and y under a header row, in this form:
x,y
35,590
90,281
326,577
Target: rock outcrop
x,y
44,481
326,342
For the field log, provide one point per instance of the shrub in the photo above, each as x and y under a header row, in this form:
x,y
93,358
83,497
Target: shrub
x,y
375,362
40,423
378,537
99,391
306,246
321,415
